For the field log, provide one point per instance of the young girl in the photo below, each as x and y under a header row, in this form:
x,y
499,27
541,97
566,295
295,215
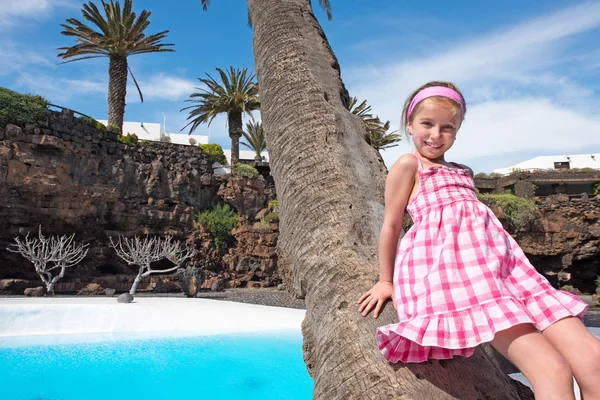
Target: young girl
x,y
458,278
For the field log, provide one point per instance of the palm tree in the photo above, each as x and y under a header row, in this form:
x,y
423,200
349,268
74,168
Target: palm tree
x,y
236,95
120,35
330,189
255,138
376,135
381,139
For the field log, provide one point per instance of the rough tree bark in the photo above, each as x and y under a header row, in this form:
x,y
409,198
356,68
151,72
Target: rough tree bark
x,y
117,90
235,132
330,186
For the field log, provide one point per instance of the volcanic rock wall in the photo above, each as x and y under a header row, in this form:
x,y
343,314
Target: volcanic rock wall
x,y
565,240
68,177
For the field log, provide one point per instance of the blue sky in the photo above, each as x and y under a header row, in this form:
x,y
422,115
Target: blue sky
x,y
529,70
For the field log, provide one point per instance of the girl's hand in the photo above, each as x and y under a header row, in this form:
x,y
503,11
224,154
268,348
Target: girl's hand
x,y
376,297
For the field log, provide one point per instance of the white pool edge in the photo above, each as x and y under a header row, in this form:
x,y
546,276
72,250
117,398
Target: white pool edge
x,y
147,315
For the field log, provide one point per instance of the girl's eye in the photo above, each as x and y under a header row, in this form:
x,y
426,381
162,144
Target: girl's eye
x,y
426,123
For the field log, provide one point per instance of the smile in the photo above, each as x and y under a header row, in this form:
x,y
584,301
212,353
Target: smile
x,y
435,146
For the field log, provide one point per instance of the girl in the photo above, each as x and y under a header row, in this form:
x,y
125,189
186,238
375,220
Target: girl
x,y
458,278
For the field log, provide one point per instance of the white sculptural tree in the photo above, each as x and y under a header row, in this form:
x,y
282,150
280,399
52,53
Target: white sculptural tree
x,y
144,251
48,254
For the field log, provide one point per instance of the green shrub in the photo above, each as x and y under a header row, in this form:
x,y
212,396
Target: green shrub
x,y
219,221
519,211
113,126
273,206
130,140
244,171
20,109
262,226
96,124
215,151
271,217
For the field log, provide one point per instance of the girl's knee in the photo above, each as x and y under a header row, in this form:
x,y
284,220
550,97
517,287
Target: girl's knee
x,y
552,377
558,367
592,361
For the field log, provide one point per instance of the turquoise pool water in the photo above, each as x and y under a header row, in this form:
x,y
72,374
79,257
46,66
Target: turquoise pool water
x,y
257,366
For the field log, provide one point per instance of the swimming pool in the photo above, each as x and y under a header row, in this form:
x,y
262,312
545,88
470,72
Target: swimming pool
x,y
249,366
155,348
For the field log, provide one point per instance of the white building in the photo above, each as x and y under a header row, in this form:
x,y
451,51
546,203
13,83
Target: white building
x,y
245,155
555,162
153,131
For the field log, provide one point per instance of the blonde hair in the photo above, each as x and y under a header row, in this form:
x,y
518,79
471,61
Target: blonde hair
x,y
457,108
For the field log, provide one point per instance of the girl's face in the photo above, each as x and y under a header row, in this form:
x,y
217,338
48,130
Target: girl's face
x,y
434,127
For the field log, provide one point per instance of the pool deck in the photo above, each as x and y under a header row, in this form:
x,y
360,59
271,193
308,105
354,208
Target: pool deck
x,y
55,316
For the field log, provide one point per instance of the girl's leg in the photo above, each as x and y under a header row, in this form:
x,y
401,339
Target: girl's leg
x,y
581,349
545,368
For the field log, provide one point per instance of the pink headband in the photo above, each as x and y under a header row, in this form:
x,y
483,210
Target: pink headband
x,y
435,91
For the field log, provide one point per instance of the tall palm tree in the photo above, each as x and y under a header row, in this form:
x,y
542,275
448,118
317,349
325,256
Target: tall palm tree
x,y
120,35
330,188
235,95
255,139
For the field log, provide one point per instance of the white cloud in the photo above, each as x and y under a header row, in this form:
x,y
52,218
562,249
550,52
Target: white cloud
x,y
13,12
519,97
160,87
15,58
60,89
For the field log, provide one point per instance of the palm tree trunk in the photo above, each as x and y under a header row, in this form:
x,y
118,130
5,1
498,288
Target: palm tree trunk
x,y
117,90
235,132
330,186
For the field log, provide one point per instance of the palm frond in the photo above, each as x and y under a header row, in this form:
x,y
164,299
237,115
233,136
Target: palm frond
x,y
255,137
326,6
236,92
380,139
136,84
120,32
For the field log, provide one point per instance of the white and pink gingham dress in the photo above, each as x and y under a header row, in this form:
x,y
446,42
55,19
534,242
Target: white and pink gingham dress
x,y
459,277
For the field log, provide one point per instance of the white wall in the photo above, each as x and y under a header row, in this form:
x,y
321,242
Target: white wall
x,y
143,130
591,160
184,138
152,131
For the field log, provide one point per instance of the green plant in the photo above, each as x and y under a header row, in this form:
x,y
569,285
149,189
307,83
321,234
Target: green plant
x,y
271,217
215,151
219,221
116,35
113,127
273,206
96,124
262,226
244,171
596,188
20,109
518,211
130,140
597,281
236,94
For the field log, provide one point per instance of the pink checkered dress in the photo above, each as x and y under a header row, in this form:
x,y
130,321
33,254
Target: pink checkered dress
x,y
459,277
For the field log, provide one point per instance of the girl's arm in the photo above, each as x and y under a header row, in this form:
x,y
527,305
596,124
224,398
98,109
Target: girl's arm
x,y
399,185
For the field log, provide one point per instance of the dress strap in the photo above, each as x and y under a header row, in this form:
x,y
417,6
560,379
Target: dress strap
x,y
418,160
